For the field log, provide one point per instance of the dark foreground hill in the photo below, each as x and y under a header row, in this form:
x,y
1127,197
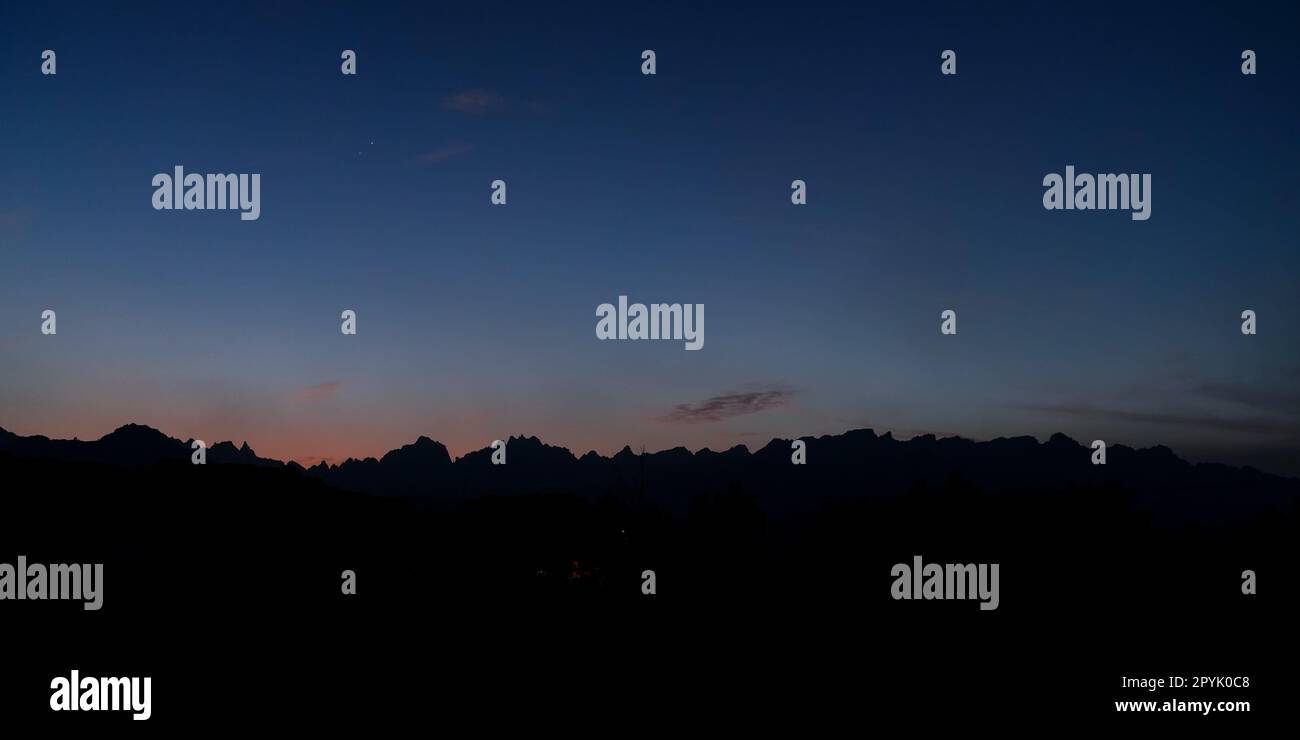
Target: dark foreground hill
x,y
710,524
484,584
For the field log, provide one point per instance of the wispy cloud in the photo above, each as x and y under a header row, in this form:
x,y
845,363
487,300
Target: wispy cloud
x,y
1253,425
1253,396
476,102
727,406
443,153
319,392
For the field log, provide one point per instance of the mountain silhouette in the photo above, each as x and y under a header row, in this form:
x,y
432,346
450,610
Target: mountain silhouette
x,y
128,445
854,464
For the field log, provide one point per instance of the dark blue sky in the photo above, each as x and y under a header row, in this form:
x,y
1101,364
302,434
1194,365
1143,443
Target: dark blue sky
x,y
477,322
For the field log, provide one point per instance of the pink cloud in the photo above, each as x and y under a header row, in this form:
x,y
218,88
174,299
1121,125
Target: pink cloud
x,y
443,153
728,405
475,101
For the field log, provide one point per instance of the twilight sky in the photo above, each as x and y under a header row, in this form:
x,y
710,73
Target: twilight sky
x,y
477,322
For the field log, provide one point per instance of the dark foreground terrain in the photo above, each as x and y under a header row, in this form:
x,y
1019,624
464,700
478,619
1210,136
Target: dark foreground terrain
x,y
499,603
